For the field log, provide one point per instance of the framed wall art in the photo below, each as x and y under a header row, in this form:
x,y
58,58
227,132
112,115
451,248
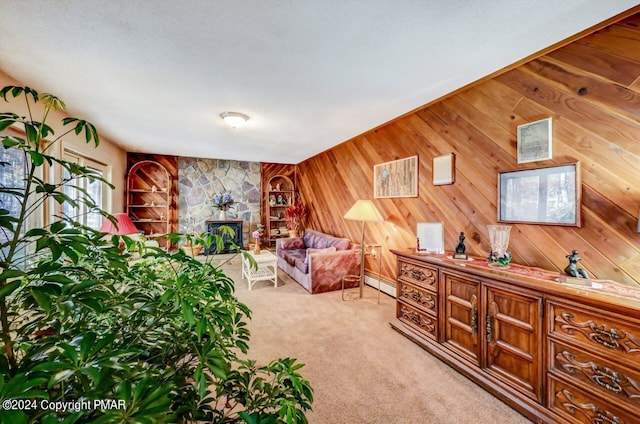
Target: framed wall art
x,y
549,195
398,178
535,141
444,168
429,237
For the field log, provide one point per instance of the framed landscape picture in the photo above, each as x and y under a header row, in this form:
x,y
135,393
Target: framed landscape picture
x,y
398,178
549,195
535,141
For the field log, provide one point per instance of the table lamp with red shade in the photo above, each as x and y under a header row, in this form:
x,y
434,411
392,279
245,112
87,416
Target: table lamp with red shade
x,y
124,226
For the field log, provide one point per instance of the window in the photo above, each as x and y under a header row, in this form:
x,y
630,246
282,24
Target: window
x,y
80,188
12,176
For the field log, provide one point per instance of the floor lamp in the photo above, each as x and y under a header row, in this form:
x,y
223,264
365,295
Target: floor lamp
x,y
364,211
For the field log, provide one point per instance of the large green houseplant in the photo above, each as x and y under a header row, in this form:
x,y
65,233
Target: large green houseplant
x,y
87,335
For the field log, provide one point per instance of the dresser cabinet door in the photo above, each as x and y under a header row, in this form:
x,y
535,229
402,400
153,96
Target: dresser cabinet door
x,y
462,301
513,333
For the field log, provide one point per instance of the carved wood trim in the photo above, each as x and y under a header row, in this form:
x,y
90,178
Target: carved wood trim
x,y
425,276
424,299
417,319
601,376
602,334
591,412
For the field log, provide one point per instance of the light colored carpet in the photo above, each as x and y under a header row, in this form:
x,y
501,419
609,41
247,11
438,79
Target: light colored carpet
x,y
361,370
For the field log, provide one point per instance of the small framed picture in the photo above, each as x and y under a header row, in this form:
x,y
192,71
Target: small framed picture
x,y
444,168
430,237
535,141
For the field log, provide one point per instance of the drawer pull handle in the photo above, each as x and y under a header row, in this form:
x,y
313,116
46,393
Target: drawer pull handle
x,y
492,312
612,334
474,314
603,418
615,380
489,328
474,319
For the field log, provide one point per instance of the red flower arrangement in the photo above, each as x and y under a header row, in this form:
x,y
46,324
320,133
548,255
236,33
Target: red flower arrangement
x,y
295,215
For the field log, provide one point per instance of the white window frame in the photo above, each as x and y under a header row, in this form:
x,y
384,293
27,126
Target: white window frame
x,y
72,155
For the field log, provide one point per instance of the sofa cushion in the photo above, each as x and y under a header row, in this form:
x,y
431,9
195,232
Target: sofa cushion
x,y
318,240
311,250
302,265
291,255
339,243
291,243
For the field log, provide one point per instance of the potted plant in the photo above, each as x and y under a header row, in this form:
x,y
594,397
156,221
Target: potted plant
x,y
191,247
295,215
158,339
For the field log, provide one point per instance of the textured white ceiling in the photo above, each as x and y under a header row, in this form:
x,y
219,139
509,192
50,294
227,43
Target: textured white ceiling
x,y
155,75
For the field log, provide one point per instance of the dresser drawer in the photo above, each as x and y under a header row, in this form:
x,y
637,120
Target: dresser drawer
x,y
417,319
613,338
580,407
418,274
418,297
605,378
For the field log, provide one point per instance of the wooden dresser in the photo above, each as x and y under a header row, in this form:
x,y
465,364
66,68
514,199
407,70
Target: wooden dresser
x,y
555,352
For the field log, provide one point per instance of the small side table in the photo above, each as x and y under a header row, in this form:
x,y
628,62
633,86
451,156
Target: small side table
x,y
267,268
375,251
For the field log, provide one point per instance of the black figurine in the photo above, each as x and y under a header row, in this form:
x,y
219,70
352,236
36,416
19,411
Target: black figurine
x,y
460,248
572,269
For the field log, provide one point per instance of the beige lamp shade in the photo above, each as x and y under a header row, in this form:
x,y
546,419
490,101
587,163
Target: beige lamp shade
x,y
363,210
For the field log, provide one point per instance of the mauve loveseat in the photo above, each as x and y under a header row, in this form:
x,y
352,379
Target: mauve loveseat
x,y
312,261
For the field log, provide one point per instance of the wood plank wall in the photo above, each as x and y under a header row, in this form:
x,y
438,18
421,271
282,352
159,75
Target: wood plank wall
x,y
591,89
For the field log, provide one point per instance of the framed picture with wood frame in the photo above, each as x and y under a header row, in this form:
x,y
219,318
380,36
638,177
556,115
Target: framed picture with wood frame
x,y
444,169
535,141
548,195
398,178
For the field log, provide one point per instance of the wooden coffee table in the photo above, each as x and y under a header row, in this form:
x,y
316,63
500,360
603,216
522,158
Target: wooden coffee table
x,y
267,268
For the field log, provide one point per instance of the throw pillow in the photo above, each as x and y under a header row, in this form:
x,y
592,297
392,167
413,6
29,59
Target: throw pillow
x,y
311,250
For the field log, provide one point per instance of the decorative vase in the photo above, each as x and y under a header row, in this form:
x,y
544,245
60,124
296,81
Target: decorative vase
x,y
256,247
293,233
499,240
222,215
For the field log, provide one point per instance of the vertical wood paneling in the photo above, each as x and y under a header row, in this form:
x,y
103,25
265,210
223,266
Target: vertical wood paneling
x,y
591,89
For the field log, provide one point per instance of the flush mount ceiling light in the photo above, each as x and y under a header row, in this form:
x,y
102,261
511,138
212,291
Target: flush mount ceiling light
x,y
234,119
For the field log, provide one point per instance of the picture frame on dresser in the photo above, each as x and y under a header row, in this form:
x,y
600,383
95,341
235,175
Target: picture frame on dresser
x,y
549,195
429,237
